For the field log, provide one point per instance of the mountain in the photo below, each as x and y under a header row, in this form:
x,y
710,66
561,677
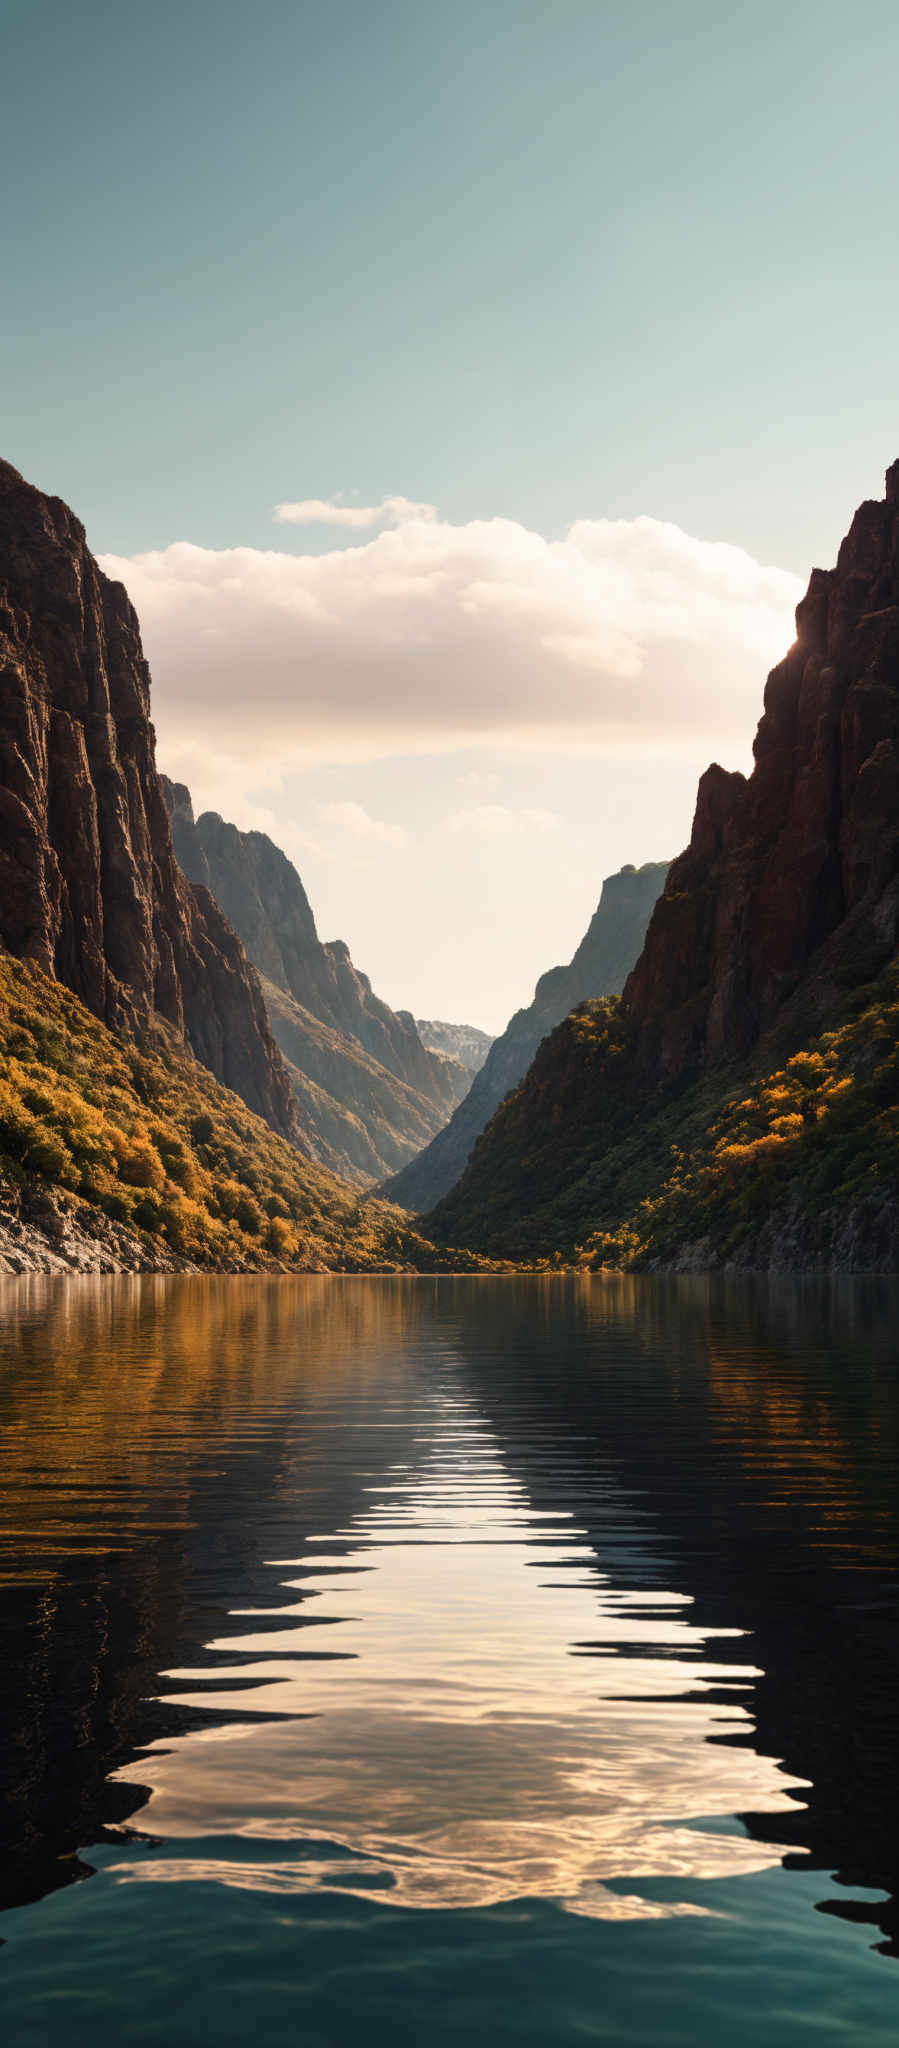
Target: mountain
x,y
462,1042
121,1153
600,967
89,886
147,1122
369,1093
740,1104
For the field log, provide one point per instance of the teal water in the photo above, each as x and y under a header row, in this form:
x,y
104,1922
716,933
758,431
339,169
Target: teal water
x,y
443,1660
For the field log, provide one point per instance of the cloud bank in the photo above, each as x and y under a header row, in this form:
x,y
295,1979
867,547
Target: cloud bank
x,y
625,634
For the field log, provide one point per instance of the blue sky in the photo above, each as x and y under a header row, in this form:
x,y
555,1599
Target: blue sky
x,y
534,264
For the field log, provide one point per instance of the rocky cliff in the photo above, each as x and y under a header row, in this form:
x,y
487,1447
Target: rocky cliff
x,y
791,878
89,885
369,1093
600,967
741,1103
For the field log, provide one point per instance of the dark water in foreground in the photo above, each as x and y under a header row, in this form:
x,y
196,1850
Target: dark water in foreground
x,y
444,1661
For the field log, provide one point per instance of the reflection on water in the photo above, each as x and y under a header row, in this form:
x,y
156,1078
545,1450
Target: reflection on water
x,y
449,1594
466,1755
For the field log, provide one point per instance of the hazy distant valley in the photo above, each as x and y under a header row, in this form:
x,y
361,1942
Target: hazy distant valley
x,y
369,1093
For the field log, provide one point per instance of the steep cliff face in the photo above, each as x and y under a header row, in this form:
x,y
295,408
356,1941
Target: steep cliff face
x,y
370,1094
792,876
600,967
89,886
705,1106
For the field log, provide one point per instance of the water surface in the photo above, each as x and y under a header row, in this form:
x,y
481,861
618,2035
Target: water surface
x,y
418,1659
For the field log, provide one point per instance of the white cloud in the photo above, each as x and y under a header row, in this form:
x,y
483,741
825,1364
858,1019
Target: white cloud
x,y
496,820
351,818
490,819
625,635
332,512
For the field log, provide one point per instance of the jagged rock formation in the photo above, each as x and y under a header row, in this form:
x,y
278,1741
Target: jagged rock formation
x,y
774,923
600,967
462,1042
370,1094
792,876
89,885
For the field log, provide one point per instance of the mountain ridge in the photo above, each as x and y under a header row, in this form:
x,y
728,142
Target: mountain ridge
x,y
741,1102
369,1093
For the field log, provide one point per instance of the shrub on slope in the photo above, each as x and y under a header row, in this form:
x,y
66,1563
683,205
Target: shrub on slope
x,y
136,1128
789,1163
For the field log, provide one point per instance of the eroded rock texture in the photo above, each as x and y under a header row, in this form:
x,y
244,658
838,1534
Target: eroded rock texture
x,y
778,920
89,885
791,878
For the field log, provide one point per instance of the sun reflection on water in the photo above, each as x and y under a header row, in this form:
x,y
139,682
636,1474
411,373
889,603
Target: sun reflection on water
x,y
456,1704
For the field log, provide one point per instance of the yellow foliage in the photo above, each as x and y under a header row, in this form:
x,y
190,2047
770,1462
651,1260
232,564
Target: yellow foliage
x,y
145,1133
137,1161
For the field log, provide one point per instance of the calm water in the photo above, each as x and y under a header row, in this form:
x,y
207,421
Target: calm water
x,y
444,1661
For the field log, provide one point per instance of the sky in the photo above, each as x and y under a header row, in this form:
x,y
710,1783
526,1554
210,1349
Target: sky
x,y
463,395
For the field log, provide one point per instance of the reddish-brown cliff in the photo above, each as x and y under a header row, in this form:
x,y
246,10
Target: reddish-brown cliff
x,y
791,875
89,885
684,1124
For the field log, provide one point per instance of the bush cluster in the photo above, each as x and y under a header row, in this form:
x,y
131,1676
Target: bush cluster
x,y
584,1160
140,1130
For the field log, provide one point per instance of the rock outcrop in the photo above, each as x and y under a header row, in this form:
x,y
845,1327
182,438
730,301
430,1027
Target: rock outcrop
x,y
741,1104
43,1230
89,885
600,967
791,878
369,1093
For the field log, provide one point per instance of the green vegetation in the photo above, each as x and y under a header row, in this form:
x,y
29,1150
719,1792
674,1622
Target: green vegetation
x,y
579,1164
138,1129
575,1168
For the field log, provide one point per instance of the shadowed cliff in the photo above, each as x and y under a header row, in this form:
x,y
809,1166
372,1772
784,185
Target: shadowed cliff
x,y
741,1103
89,886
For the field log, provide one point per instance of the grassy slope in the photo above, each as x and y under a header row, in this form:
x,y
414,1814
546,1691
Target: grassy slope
x,y
141,1131
800,1151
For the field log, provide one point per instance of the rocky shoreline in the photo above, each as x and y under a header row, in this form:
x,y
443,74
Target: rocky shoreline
x,y
844,1242
43,1232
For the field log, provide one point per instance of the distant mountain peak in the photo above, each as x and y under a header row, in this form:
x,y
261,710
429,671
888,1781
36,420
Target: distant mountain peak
x,y
463,1042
